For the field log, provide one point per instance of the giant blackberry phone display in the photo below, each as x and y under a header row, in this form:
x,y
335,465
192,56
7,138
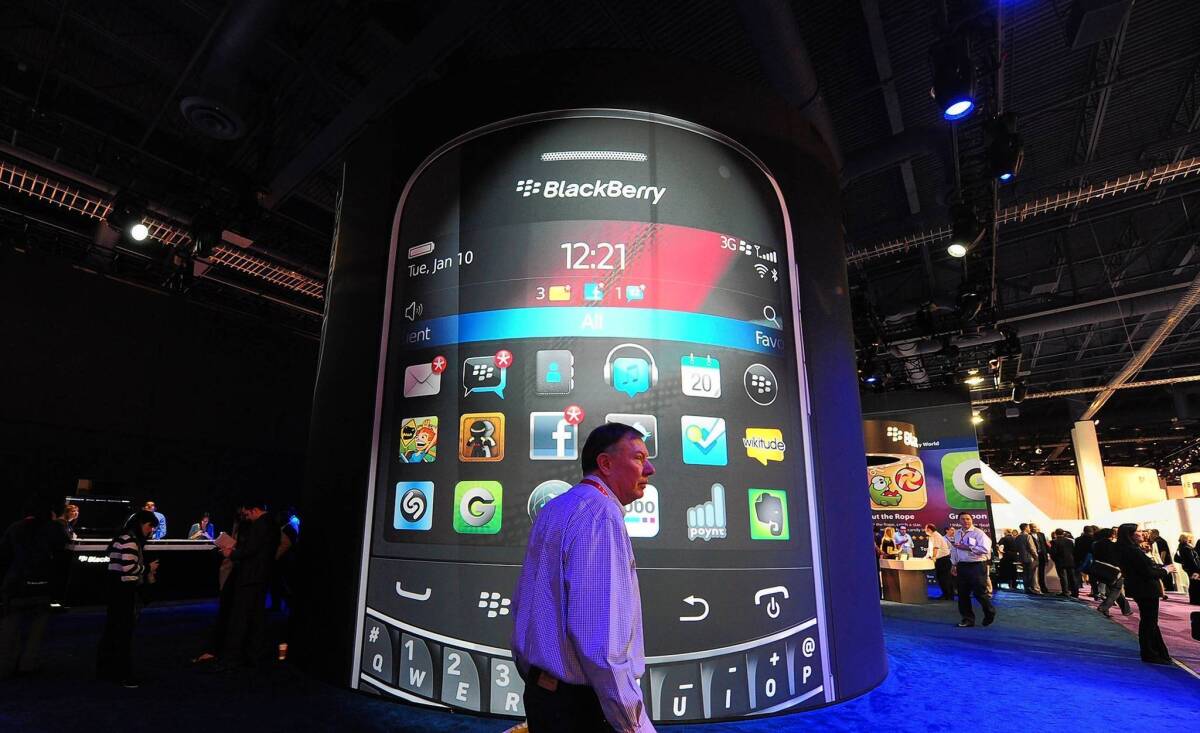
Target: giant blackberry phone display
x,y
550,273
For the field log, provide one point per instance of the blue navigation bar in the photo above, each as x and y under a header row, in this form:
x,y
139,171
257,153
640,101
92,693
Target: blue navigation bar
x,y
623,323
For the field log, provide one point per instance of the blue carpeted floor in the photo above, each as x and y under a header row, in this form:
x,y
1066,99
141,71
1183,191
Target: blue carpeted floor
x,y
1045,662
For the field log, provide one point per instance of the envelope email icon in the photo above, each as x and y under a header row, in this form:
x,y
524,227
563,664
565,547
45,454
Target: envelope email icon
x,y
421,381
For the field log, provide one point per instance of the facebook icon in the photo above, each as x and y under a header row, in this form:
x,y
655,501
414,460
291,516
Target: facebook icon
x,y
552,438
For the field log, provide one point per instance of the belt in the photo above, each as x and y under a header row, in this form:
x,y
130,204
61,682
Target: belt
x,y
550,683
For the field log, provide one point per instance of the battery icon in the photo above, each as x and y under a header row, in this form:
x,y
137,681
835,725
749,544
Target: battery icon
x,y
420,250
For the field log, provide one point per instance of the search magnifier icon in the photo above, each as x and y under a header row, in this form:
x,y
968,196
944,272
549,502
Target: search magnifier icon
x,y
769,314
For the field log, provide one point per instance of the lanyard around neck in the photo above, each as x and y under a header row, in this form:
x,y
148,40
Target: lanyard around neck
x,y
591,482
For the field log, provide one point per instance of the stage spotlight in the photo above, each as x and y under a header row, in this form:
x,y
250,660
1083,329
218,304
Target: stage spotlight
x,y
974,380
206,235
970,302
1018,391
953,79
976,418
964,230
126,216
1005,149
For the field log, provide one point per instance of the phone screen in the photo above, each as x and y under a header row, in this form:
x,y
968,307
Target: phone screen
x,y
552,273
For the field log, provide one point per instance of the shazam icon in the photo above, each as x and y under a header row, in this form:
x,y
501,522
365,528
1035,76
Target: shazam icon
x,y
414,505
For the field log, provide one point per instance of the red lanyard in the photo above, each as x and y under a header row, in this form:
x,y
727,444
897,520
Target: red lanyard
x,y
596,484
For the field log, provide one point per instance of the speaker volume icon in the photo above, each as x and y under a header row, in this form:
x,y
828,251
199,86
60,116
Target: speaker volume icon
x,y
414,310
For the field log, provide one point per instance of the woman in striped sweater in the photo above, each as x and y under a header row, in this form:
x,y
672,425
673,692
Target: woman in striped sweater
x,y
127,571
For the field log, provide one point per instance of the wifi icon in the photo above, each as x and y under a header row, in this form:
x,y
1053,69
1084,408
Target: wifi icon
x,y
761,269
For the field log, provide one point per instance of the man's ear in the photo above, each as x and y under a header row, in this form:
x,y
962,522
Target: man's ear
x,y
604,461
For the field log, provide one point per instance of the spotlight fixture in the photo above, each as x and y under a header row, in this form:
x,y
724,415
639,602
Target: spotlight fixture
x,y
126,215
969,301
964,230
1038,450
974,380
953,79
206,235
1018,391
976,418
1005,148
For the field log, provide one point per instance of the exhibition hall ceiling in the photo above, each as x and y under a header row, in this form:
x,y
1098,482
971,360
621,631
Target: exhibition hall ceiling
x,y
207,116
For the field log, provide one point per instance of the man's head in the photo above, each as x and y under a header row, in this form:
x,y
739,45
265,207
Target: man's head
x,y
902,529
1033,527
1024,527
149,506
1153,534
930,529
254,509
617,453
968,521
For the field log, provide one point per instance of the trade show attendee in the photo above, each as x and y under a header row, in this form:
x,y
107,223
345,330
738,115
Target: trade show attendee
x,y
1062,552
127,573
1083,552
161,530
69,520
577,610
32,549
904,543
1027,548
1189,561
202,529
1104,550
970,554
1043,554
1009,554
1142,585
216,642
253,558
1162,550
939,552
887,545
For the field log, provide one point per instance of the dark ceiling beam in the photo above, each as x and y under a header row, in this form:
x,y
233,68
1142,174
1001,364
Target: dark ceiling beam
x,y
1187,116
891,101
1105,60
457,22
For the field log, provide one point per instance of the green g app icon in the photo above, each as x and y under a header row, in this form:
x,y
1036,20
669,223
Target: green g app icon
x,y
479,507
962,475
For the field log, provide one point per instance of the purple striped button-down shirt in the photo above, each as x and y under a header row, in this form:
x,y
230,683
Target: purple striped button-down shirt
x,y
577,608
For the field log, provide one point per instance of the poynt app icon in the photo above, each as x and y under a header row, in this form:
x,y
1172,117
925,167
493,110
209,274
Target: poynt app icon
x,y
414,505
478,507
768,514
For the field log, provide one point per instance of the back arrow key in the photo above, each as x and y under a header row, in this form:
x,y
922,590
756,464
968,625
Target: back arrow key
x,y
692,601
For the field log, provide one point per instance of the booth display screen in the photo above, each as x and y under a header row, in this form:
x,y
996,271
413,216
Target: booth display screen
x,y
550,274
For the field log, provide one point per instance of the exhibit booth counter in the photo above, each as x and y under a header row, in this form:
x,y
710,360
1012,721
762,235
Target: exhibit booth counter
x,y
596,247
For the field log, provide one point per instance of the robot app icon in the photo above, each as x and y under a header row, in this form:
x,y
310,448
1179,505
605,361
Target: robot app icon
x,y
768,514
418,439
481,437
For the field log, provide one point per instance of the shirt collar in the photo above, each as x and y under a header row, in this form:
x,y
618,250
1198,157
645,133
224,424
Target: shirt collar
x,y
608,492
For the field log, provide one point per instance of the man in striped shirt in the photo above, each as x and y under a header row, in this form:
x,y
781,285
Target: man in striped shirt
x,y
127,571
577,636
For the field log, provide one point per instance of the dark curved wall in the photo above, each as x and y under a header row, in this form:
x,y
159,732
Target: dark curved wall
x,y
384,158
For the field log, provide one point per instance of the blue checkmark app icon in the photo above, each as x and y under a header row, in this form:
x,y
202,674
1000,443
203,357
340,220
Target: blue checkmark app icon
x,y
704,441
